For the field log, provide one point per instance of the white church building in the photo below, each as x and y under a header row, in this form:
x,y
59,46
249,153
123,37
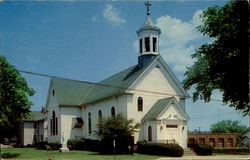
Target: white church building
x,y
147,92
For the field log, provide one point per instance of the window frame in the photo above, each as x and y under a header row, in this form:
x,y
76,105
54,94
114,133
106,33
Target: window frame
x,y
140,104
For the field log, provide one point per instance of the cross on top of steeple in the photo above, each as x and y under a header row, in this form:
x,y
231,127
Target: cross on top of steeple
x,y
148,4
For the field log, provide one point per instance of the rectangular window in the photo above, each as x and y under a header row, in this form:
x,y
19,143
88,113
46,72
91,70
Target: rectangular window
x,y
230,142
212,142
41,137
154,44
221,142
201,140
147,44
140,45
35,138
171,126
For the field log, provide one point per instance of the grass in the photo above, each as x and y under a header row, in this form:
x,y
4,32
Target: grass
x,y
35,154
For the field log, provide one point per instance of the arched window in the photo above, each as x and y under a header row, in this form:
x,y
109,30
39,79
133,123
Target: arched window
x,y
53,124
113,111
89,122
100,120
140,104
100,115
149,133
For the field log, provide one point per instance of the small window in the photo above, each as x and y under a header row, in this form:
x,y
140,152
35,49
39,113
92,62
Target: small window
x,y
113,111
53,92
140,45
212,142
221,142
149,133
171,126
147,44
89,120
35,138
201,140
154,44
78,122
140,104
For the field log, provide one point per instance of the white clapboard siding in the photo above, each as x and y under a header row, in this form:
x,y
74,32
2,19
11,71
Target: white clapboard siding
x,y
53,106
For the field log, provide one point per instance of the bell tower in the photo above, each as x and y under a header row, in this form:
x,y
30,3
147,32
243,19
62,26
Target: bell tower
x,y
148,37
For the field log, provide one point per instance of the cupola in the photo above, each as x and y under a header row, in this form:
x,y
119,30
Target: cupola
x,y
148,37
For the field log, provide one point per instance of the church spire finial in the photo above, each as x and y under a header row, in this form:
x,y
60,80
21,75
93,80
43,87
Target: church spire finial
x,y
148,4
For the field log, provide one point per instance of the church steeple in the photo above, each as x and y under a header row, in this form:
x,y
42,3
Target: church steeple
x,y
148,36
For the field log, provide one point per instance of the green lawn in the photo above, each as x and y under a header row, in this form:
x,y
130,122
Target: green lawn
x,y
35,154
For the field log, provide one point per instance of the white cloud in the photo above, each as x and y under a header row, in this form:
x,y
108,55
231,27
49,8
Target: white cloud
x,y
176,41
112,15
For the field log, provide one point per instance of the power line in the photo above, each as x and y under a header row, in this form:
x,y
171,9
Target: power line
x,y
212,115
105,85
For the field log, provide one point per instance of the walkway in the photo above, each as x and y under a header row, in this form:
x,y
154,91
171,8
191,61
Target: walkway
x,y
217,157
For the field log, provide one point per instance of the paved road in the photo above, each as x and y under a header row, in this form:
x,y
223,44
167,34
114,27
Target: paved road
x,y
221,157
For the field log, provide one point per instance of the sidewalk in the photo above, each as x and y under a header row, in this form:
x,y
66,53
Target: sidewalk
x,y
219,157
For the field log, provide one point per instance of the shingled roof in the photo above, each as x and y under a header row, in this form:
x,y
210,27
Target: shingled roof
x,y
71,92
157,108
119,82
35,116
162,105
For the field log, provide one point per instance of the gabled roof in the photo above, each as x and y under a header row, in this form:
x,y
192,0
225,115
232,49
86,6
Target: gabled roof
x,y
159,60
74,93
70,92
161,106
35,116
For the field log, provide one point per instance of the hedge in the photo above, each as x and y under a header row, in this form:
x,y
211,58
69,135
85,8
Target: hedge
x,y
104,146
173,150
203,149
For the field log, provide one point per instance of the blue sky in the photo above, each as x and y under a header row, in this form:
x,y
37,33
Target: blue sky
x,y
90,41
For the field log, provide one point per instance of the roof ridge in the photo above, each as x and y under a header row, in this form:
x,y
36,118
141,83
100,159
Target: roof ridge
x,y
116,74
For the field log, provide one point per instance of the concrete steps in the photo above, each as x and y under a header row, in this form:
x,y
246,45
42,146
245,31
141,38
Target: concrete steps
x,y
189,152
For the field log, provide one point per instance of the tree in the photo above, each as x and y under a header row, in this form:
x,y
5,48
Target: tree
x,y
229,126
116,128
223,63
14,93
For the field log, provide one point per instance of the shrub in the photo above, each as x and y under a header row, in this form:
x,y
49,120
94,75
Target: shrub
x,y
41,145
76,144
172,150
92,145
203,149
54,145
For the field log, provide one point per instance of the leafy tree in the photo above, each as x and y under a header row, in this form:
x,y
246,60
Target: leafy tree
x,y
229,126
223,63
14,102
116,128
